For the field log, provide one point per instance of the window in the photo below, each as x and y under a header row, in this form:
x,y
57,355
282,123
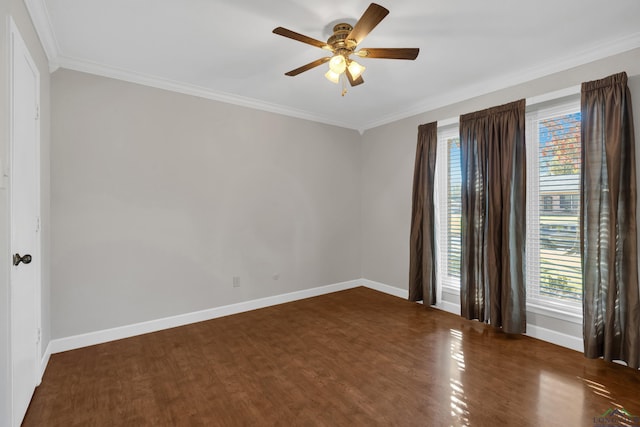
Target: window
x,y
554,273
449,181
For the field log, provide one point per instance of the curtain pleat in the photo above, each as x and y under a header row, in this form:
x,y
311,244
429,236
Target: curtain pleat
x,y
422,253
493,166
611,306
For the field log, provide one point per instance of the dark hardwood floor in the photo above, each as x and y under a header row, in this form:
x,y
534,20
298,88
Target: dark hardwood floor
x,y
352,358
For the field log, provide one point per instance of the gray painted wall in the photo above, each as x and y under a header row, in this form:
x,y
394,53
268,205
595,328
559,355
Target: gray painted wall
x,y
17,10
388,156
159,199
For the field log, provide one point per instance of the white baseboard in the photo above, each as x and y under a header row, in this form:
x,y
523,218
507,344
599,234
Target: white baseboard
x,y
538,332
99,337
555,337
106,335
44,361
449,307
391,290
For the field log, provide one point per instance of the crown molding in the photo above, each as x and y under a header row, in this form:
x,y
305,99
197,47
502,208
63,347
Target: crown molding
x,y
193,90
477,89
586,56
41,21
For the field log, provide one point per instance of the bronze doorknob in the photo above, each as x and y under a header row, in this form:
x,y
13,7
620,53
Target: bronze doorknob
x,y
25,259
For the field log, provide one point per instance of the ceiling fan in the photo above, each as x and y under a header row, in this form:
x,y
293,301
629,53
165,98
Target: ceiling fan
x,y
343,43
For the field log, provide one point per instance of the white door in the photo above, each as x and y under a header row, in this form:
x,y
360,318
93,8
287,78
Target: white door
x,y
24,189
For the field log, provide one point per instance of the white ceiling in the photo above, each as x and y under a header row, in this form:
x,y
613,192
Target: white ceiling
x,y
225,50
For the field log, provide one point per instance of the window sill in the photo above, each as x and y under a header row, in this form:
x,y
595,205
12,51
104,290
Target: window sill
x,y
556,311
452,290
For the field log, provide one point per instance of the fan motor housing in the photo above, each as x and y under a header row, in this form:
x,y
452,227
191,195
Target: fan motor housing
x,y
338,40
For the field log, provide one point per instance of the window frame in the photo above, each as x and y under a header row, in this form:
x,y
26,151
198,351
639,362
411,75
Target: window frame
x,y
566,310
449,284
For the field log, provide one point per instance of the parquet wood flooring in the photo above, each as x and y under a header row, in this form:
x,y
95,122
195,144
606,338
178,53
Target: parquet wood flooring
x,y
351,358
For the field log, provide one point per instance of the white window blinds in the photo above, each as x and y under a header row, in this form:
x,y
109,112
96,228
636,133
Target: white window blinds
x,y
554,271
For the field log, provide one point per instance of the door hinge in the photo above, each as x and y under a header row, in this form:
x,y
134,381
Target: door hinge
x,y
38,336
37,112
37,224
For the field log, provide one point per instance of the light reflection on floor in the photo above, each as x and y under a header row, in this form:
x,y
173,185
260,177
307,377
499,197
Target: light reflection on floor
x,y
601,390
560,396
459,410
597,388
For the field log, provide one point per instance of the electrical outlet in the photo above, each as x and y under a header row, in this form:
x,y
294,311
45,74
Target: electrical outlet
x,y
236,281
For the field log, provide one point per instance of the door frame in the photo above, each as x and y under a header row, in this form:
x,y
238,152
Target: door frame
x,y
16,43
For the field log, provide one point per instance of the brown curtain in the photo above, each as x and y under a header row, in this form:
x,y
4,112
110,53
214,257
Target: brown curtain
x,y
608,222
422,253
493,163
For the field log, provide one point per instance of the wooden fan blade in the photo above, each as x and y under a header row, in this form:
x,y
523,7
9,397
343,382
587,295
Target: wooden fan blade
x,y
353,82
301,38
388,53
367,22
307,67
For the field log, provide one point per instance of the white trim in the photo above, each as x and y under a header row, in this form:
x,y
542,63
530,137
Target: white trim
x,y
381,287
553,96
404,294
453,290
44,362
558,338
460,95
448,122
588,55
531,101
449,130
99,337
106,335
558,103
533,331
555,337
16,45
193,90
449,307
561,312
42,22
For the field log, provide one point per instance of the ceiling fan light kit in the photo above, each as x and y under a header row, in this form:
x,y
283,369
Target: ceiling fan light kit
x,y
356,69
332,76
343,44
338,64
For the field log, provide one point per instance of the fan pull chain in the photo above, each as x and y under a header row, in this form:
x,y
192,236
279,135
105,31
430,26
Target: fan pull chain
x,y
344,84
